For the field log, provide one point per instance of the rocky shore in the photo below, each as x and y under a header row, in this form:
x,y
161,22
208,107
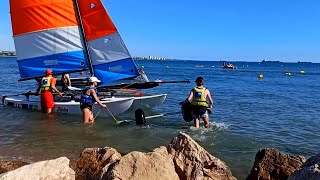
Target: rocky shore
x,y
183,158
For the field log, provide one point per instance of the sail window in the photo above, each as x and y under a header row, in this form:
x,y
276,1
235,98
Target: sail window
x,y
92,5
106,40
118,68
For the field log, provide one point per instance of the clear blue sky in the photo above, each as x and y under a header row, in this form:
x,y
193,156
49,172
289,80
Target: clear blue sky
x,y
249,30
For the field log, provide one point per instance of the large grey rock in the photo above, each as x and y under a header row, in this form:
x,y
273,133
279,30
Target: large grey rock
x,y
271,164
144,166
56,169
309,170
93,163
6,166
194,162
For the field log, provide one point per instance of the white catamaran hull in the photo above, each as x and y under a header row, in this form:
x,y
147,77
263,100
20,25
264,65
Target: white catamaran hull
x,y
115,105
149,101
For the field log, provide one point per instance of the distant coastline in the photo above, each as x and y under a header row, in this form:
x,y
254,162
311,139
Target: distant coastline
x,y
7,54
151,58
271,61
303,62
13,54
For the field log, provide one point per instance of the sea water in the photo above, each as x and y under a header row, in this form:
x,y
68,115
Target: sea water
x,y
249,113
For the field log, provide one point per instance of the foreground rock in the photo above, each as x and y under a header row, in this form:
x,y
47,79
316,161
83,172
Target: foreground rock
x,y
6,166
52,169
157,164
182,159
309,170
194,162
95,162
272,164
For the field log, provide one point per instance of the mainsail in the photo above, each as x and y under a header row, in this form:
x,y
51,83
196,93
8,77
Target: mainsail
x,y
109,56
46,35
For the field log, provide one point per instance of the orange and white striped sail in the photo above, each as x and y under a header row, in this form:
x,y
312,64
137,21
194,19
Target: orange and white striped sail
x,y
46,35
110,58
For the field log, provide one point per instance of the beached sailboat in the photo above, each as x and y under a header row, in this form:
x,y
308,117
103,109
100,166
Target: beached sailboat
x,y
50,35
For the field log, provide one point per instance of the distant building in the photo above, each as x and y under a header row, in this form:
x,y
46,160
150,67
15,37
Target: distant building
x,y
7,53
151,58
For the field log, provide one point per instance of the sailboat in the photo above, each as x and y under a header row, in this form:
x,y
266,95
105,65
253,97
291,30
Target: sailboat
x,y
51,35
110,59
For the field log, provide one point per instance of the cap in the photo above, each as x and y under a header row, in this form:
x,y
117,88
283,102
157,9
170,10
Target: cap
x,y
199,79
48,72
94,79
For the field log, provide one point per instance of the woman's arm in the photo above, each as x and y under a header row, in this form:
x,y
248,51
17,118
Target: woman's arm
x,y
94,94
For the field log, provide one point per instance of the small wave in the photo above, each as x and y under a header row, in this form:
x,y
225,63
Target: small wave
x,y
219,125
214,126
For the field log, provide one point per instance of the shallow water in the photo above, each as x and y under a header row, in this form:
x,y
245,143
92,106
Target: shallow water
x,y
249,113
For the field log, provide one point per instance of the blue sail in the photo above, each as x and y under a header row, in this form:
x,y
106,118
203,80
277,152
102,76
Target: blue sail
x,y
116,70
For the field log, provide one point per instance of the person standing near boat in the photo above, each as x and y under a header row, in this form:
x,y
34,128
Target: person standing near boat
x,y
47,87
88,98
200,108
66,82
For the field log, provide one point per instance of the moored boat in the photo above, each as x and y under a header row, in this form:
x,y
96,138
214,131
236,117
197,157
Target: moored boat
x,y
226,65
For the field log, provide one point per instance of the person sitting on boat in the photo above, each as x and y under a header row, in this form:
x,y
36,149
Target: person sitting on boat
x,y
47,87
88,98
66,82
198,97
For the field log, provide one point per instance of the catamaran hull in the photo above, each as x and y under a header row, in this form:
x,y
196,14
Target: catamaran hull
x,y
116,106
146,101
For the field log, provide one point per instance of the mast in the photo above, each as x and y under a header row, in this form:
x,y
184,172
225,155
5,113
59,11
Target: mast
x,y
84,37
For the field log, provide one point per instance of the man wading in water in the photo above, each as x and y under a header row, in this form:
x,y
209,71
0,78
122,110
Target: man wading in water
x,y
47,85
198,97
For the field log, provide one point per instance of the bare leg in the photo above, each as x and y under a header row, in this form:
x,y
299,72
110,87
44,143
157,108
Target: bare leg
x,y
49,110
196,123
86,114
91,118
206,122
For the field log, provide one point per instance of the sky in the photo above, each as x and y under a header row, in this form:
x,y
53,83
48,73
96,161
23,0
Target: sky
x,y
232,30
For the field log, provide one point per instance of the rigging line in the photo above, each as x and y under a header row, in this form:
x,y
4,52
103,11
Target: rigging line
x,y
83,36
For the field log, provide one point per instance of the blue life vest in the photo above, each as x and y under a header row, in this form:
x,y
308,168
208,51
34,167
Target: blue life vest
x,y
88,99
